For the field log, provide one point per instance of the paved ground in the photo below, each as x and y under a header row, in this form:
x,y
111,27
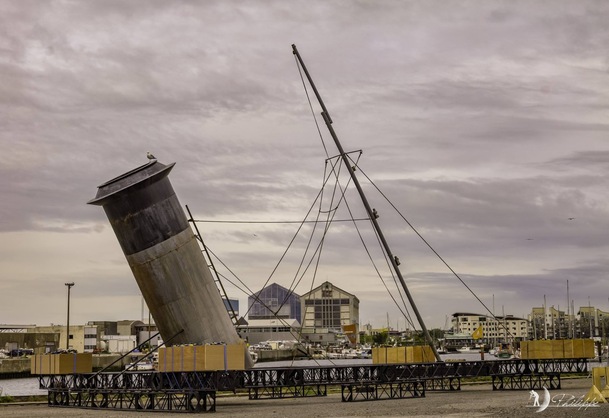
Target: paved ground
x,y
471,401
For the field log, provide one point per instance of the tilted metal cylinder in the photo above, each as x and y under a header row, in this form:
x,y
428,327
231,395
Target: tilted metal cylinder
x,y
165,257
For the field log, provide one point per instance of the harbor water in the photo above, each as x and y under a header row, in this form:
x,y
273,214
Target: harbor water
x,y
27,386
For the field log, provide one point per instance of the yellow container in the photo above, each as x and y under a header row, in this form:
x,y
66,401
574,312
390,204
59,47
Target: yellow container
x,y
379,355
399,355
427,355
549,349
558,351
375,355
524,349
588,349
215,357
189,358
396,355
68,363
420,354
235,356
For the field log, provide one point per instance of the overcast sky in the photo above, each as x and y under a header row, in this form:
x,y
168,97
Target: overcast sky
x,y
484,122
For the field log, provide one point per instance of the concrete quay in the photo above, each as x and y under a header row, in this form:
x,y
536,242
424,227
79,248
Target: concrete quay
x,y
475,400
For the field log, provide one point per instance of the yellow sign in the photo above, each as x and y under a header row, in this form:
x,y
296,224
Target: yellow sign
x,y
478,333
350,331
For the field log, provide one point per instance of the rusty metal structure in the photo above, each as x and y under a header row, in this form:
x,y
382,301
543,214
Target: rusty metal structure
x,y
165,257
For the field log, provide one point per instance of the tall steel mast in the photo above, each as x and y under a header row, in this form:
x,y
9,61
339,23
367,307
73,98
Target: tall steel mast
x,y
371,214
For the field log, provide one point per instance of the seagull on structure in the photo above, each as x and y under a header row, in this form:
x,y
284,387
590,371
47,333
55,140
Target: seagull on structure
x,y
150,156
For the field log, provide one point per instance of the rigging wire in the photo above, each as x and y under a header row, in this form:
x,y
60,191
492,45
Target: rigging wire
x,y
380,276
249,291
274,222
433,250
319,194
406,315
293,285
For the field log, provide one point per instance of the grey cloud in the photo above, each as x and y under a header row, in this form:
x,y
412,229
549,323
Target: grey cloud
x,y
484,122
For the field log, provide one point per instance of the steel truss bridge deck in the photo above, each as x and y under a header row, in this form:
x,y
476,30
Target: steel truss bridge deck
x,y
196,391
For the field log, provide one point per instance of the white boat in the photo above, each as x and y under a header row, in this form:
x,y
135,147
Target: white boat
x,y
141,366
364,353
319,354
138,363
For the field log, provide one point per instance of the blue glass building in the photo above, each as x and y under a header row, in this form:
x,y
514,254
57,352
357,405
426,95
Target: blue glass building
x,y
274,301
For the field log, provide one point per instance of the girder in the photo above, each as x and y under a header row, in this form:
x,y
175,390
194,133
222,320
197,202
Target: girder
x,y
183,390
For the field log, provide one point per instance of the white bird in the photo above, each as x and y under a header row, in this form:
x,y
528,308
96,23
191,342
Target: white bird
x,y
150,156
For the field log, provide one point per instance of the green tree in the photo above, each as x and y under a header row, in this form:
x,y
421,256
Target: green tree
x,y
380,338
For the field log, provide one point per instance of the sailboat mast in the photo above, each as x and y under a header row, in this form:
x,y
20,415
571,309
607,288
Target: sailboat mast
x,y
371,214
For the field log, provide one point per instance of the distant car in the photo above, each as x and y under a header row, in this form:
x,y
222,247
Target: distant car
x,y
63,351
20,352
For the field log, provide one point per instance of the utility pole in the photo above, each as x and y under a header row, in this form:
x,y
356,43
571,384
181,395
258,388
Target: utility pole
x,y
68,320
545,320
590,316
568,314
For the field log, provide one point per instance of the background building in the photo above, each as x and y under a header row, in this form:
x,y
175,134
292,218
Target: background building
x,y
592,322
272,302
256,331
494,329
13,337
550,324
82,338
232,307
326,310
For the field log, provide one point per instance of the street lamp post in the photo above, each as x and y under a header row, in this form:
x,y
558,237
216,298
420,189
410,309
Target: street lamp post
x,y
68,320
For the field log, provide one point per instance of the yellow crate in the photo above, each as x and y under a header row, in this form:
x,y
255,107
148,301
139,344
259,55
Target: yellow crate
x,y
524,350
68,363
375,355
215,357
379,355
549,349
188,358
396,355
427,355
41,364
399,355
235,356
420,354
558,351
541,349
162,360
587,349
